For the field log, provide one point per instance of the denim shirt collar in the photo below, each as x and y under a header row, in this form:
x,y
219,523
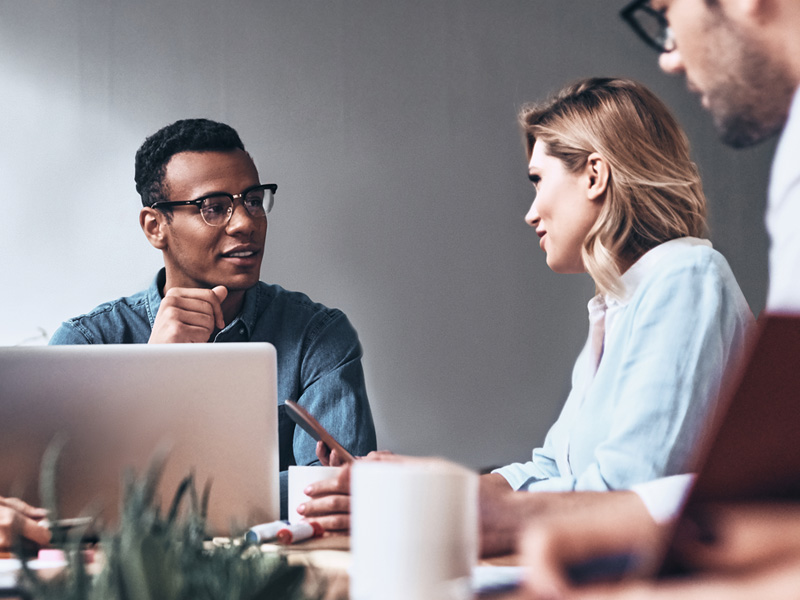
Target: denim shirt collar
x,y
253,304
154,294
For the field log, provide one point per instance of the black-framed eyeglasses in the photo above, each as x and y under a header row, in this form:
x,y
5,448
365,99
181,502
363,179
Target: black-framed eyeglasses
x,y
217,209
649,24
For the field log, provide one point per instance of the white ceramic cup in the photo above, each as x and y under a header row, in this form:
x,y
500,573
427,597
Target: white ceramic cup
x,y
414,530
299,478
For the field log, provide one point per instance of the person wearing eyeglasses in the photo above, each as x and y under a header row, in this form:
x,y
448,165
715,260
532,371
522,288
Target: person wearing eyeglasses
x,y
742,57
205,208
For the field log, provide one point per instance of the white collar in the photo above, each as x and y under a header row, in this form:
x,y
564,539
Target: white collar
x,y
647,264
783,172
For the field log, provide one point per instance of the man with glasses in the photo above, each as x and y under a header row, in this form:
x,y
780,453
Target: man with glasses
x,y
205,209
743,58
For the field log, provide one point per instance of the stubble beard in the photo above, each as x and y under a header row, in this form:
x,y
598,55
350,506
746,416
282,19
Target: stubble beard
x,y
751,99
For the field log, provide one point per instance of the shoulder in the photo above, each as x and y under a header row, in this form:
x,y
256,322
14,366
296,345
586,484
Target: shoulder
x,y
683,269
298,310
691,282
109,322
299,302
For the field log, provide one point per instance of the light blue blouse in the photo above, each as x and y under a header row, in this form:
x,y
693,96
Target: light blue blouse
x,y
681,319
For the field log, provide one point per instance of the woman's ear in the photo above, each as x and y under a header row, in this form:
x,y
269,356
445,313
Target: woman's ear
x,y
154,224
597,173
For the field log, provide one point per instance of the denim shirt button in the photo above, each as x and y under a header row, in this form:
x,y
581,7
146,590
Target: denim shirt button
x,y
241,330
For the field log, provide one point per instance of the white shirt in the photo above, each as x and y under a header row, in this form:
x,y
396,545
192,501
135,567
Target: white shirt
x,y
680,319
783,217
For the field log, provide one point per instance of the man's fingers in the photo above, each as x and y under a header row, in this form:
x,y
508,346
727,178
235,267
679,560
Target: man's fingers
x,y
343,480
221,292
325,505
14,523
189,311
386,455
189,315
23,507
737,536
324,487
339,522
323,453
211,301
33,531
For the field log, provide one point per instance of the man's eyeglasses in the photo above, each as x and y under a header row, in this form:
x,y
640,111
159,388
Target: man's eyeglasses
x,y
217,209
650,24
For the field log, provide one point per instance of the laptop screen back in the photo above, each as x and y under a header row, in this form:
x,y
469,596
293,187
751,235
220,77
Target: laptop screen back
x,y
212,406
752,449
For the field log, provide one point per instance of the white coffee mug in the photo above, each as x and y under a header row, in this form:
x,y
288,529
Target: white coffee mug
x,y
414,530
299,478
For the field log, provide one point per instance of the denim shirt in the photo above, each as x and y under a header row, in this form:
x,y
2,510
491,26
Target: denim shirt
x,y
319,359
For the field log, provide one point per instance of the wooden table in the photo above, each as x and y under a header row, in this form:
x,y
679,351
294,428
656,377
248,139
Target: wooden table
x,y
330,557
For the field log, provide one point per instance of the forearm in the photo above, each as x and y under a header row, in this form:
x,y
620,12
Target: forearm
x,y
504,512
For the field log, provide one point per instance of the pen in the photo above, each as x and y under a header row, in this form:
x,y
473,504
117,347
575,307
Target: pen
x,y
66,523
264,532
297,532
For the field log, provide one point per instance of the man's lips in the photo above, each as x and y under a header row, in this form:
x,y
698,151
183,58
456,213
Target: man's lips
x,y
242,252
541,235
245,254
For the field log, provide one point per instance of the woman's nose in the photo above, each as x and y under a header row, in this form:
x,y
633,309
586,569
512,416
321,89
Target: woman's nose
x,y
532,218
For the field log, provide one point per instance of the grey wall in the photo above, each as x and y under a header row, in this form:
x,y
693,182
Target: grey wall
x,y
390,129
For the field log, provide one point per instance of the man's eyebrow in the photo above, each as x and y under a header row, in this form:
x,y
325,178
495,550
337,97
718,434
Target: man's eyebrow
x,y
223,193
213,193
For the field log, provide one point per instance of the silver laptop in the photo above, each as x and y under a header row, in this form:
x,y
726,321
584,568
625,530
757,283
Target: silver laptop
x,y
214,406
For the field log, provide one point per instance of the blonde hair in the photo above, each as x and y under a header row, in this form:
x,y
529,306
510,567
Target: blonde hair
x,y
654,192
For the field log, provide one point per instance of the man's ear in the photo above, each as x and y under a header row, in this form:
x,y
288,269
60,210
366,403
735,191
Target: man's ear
x,y
154,223
598,174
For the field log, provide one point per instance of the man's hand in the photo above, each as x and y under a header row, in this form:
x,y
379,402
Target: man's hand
x,y
328,457
19,518
742,551
590,526
779,581
330,498
737,537
331,458
189,315
330,502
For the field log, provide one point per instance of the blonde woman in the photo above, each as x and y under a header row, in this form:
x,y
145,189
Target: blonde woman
x,y
618,196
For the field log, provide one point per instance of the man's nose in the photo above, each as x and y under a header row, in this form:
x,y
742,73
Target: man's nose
x,y
671,62
240,218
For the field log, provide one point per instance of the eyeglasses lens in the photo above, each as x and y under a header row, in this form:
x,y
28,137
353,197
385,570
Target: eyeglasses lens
x,y
216,210
654,26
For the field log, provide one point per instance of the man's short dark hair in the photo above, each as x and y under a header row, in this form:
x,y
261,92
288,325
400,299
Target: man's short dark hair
x,y
186,135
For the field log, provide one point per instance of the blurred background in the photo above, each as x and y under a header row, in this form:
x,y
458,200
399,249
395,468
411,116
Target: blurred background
x,y
390,128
